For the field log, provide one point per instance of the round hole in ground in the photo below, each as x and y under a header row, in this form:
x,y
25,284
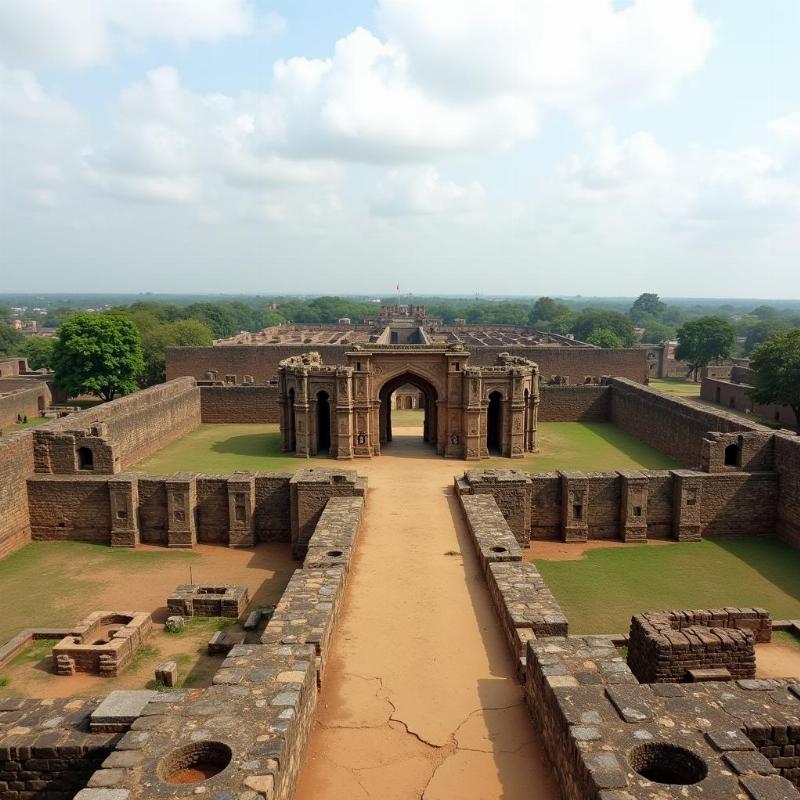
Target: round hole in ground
x,y
667,764
499,550
194,763
334,553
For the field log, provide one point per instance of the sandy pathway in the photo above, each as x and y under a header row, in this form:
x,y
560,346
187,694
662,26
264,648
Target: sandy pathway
x,y
419,698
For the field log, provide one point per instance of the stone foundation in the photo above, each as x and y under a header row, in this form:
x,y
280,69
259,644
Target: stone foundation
x,y
202,600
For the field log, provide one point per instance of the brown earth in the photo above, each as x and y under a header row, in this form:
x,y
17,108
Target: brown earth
x,y
777,659
552,550
420,698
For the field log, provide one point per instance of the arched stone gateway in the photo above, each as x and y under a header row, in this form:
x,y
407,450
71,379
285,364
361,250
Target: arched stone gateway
x,y
468,410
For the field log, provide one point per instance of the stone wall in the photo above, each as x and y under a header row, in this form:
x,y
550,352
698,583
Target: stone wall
x,y
240,404
22,397
79,508
46,750
588,403
261,361
121,432
671,424
787,463
636,505
736,396
16,465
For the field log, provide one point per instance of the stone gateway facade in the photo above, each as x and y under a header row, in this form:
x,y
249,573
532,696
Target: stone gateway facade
x,y
344,411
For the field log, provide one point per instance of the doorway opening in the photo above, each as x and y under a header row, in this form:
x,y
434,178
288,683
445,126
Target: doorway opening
x,y
398,419
494,423
323,422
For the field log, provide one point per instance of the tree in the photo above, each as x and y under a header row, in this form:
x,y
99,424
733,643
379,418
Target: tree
x,y
99,354
655,332
39,351
158,336
545,309
776,371
10,341
647,304
591,319
606,338
703,340
761,331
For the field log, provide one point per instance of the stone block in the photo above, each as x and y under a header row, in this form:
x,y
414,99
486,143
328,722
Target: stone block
x,y
175,623
167,673
119,709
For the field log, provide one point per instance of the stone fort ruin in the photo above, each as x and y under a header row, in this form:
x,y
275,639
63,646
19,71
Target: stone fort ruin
x,y
643,728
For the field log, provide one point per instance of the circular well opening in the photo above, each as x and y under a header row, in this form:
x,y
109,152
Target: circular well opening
x,y
334,553
667,764
194,763
499,550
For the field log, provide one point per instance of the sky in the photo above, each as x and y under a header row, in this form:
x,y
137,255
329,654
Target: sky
x,y
562,147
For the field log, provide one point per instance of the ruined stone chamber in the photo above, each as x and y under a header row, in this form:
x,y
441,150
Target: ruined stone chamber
x,y
344,411
102,644
203,600
681,646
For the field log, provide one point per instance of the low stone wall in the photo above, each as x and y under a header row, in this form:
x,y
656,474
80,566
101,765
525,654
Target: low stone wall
x,y
494,542
524,603
121,432
671,424
335,535
46,749
307,612
736,396
16,465
511,490
787,463
22,397
240,404
664,646
583,403
634,505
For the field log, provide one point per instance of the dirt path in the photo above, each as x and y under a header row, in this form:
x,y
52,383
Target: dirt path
x,y
420,699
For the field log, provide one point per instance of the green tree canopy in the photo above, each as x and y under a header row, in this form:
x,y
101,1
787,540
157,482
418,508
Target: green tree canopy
x,y
10,341
591,319
545,309
39,351
606,338
776,371
761,331
655,331
647,304
703,340
99,354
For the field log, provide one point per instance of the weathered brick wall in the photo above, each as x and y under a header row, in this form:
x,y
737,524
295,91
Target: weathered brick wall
x,y
272,513
251,404
46,751
152,510
574,403
212,509
737,396
26,398
730,503
135,426
16,465
66,507
787,463
671,424
261,361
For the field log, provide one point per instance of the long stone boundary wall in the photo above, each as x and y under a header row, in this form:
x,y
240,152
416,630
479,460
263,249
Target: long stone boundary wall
x,y
16,465
87,508
121,432
261,361
240,404
589,403
636,505
787,463
23,397
671,424
729,394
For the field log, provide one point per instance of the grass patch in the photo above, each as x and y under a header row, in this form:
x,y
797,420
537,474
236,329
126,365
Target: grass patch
x,y
408,417
36,651
3,681
46,584
600,592
588,447
676,386
785,637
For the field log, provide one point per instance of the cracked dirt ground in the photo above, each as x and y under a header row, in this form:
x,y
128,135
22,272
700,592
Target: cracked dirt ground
x,y
419,698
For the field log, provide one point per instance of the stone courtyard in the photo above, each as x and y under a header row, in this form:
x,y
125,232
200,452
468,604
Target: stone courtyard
x,y
413,647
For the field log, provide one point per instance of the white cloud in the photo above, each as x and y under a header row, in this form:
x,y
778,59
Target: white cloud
x,y
787,127
84,33
419,191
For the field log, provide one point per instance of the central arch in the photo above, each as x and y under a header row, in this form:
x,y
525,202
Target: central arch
x,y
429,427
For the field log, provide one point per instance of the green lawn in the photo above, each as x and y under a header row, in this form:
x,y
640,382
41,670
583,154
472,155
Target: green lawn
x,y
589,447
677,386
600,592
408,418
20,426
52,583
563,445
